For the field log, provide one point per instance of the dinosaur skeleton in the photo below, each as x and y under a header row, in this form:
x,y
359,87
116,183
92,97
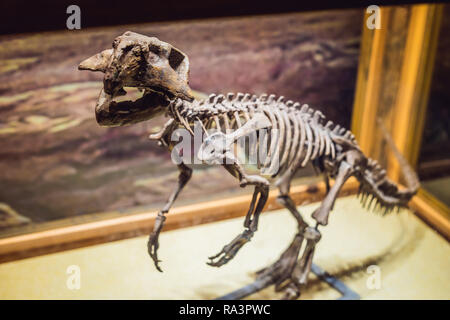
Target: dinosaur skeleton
x,y
297,135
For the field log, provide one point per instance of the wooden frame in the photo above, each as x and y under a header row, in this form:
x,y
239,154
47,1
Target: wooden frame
x,y
76,236
433,212
394,78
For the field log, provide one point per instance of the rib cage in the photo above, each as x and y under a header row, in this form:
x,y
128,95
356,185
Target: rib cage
x,y
302,137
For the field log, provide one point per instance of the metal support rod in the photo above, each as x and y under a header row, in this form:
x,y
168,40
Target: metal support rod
x,y
260,284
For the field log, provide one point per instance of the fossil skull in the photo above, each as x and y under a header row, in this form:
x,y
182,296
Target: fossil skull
x,y
143,62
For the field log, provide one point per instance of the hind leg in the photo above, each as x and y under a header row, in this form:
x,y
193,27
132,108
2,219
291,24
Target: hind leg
x,y
312,235
289,273
282,269
299,276
344,172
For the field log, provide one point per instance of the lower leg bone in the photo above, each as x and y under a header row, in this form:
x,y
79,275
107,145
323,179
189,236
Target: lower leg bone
x,y
153,241
321,214
301,271
288,203
282,269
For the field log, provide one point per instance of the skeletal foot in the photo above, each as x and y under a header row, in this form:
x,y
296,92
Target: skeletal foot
x,y
282,269
153,245
229,251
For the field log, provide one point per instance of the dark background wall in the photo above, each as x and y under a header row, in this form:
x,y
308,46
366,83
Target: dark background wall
x,y
20,16
434,160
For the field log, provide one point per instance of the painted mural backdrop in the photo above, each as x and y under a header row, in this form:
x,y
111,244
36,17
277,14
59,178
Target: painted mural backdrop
x,y
56,162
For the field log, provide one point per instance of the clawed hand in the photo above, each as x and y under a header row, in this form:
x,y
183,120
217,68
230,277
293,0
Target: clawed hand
x,y
229,251
153,245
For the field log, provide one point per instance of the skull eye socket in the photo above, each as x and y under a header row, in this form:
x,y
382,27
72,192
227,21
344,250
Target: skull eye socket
x,y
175,58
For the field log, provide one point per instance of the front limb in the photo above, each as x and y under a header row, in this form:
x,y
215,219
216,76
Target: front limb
x,y
217,149
251,219
153,242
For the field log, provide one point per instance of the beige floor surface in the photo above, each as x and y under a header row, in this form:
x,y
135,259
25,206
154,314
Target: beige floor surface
x,y
413,260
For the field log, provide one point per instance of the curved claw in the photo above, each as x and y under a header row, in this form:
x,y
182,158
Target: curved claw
x,y
227,256
153,246
219,263
216,255
229,251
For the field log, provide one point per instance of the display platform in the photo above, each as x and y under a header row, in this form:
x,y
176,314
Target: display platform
x,y
411,260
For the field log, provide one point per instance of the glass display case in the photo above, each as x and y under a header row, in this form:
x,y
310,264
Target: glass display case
x,y
77,196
